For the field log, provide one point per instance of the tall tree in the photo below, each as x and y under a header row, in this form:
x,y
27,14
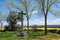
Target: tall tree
x,y
45,7
26,5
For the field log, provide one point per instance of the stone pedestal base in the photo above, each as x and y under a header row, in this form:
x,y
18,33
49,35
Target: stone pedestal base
x,y
22,34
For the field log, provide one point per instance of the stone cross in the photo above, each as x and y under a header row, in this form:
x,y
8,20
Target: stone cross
x,y
21,34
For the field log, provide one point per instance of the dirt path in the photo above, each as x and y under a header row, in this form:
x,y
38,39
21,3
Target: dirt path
x,y
56,39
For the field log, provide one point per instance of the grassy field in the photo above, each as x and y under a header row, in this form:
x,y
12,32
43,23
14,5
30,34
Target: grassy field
x,y
36,28
32,36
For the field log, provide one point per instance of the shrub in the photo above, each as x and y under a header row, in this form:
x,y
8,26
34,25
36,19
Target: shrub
x,y
34,29
9,28
58,31
53,31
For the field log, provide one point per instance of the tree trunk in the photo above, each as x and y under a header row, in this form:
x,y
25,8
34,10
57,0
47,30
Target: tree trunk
x,y
28,24
14,28
1,25
45,24
27,20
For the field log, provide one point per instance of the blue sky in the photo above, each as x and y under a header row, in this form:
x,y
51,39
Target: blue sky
x,y
35,19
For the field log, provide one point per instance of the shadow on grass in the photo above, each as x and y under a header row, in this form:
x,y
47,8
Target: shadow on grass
x,y
35,34
31,34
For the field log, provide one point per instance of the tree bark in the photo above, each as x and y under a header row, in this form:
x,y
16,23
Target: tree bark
x,y
45,24
1,25
28,23
27,20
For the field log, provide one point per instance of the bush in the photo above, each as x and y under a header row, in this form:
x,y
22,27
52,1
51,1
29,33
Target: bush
x,y
39,30
53,31
34,29
58,31
9,28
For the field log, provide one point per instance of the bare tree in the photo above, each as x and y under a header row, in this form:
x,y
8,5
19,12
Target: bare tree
x,y
25,5
1,19
46,6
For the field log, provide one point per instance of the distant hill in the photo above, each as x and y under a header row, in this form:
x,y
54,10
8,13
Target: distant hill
x,y
51,26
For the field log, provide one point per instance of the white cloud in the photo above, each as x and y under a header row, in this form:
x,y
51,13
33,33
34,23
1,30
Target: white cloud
x,y
19,23
56,22
38,22
4,23
34,12
41,22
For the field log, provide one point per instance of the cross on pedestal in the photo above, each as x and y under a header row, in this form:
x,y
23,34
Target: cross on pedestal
x,y
21,33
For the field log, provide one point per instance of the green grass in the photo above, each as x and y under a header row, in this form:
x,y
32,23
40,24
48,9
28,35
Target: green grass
x,y
32,36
